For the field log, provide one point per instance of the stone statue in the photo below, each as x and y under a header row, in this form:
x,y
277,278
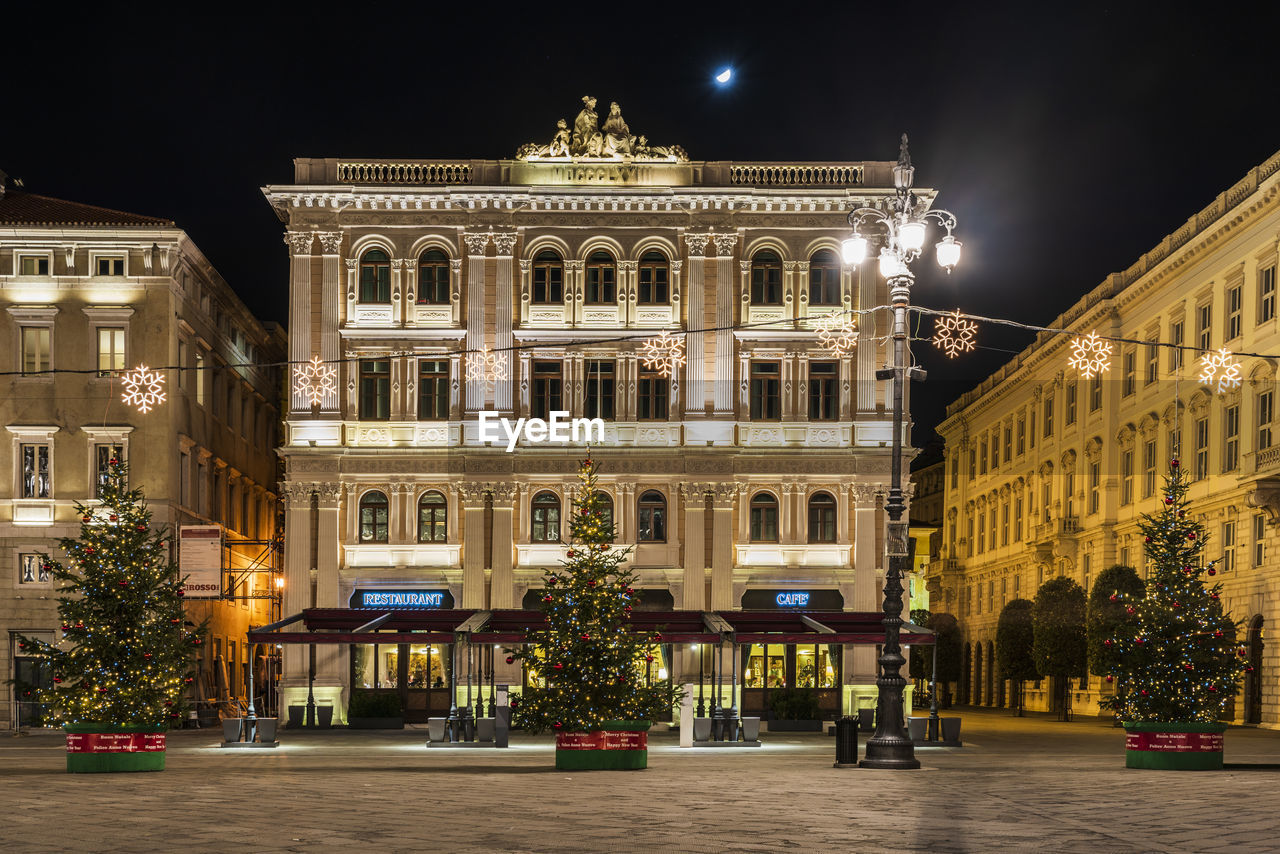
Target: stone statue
x,y
587,139
559,146
617,136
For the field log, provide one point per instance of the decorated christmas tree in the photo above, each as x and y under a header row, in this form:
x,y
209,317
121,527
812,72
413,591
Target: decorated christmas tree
x,y
593,668
125,651
1177,660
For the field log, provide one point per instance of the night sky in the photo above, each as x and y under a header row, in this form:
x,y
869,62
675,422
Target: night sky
x,y
1068,139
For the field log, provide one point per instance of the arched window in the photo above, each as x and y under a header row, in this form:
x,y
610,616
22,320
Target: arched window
x,y
545,519
548,278
653,517
824,278
606,512
764,518
373,517
433,518
655,272
766,278
433,278
375,276
602,278
822,518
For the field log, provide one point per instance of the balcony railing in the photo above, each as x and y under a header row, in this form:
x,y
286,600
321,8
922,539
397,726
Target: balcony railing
x,y
809,175
403,172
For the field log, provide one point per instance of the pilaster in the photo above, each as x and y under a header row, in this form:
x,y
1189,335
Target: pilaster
x,y
503,337
299,243
502,577
331,295
695,369
722,548
473,495
693,589
725,244
476,242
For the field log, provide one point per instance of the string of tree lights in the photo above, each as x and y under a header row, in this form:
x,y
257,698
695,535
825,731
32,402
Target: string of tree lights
x,y
954,333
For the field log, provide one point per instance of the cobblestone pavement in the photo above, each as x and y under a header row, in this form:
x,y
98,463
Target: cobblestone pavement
x,y
1018,784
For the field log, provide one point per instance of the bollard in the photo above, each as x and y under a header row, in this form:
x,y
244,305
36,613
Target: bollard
x,y
846,742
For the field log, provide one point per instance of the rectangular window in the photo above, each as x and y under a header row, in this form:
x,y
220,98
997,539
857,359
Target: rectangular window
x,y
433,390
600,389
1259,533
973,463
103,455
1231,434
982,532
602,286
1095,394
1266,293
1022,436
110,351
1004,524
1175,441
1235,301
1070,504
33,265
651,396
32,569
1017,519
652,283
375,389
1126,477
1008,443
1071,402
1095,485
1264,411
1176,333
1046,491
1124,556
35,349
184,479
766,399
110,266
1202,448
36,473
1228,546
1153,360
982,457
1204,327
1048,416
824,397
995,449
1130,384
199,378
548,280
182,363
1086,566
548,389
955,471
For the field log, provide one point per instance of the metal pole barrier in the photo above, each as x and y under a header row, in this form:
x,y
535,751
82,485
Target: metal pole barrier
x,y
251,719
934,722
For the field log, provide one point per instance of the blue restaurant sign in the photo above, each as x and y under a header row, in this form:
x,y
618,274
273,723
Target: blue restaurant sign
x,y
402,599
792,599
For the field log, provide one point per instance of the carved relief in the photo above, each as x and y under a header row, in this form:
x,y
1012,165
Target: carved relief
x,y
299,242
331,242
697,244
505,242
477,242
725,243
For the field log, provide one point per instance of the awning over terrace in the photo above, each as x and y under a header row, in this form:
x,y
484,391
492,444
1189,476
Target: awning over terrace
x,y
377,625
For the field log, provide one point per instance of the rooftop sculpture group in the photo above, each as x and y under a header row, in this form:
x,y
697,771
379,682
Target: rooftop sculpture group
x,y
589,139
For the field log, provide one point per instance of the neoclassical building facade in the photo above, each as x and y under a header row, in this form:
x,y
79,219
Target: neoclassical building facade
x,y
87,294
755,469
1048,473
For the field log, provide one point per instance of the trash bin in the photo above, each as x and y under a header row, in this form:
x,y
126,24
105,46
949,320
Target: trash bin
x,y
867,720
484,729
917,728
701,729
846,742
436,729
231,729
751,729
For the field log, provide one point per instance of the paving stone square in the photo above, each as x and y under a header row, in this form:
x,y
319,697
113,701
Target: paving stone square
x,y
1018,784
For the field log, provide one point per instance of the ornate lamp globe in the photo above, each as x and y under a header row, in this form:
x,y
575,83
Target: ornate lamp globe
x,y
948,250
854,249
911,235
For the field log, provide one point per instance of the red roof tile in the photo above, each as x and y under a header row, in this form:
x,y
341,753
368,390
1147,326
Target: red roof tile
x,y
19,208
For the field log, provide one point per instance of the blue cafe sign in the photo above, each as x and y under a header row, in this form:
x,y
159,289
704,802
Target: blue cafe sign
x,y
402,599
792,599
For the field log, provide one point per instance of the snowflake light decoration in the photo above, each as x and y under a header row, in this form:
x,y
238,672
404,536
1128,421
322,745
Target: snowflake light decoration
x,y
314,380
1222,368
663,354
143,388
486,367
1090,355
838,333
953,334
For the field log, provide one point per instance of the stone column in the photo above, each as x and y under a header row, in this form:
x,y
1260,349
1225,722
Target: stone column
x,y
725,298
791,289
695,395
472,545
722,548
502,578
476,244
331,296
503,338
574,280
297,575
455,291
330,658
627,292
397,291
299,243
695,550
865,597
867,346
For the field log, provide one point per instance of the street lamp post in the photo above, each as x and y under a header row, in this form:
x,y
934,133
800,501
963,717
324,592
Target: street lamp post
x,y
903,227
